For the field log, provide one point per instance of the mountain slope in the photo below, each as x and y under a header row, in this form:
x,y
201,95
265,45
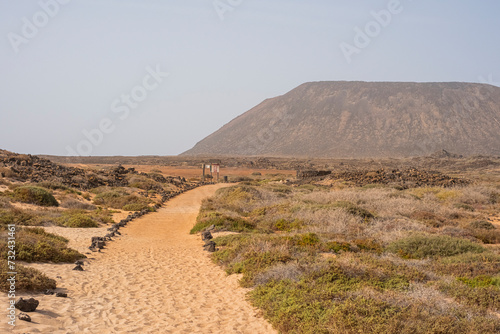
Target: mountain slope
x,y
365,119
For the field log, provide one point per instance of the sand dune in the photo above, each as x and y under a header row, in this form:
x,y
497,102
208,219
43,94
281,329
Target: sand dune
x,y
155,278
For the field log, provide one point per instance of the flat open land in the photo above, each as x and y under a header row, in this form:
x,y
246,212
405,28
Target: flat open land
x,y
155,278
189,171
312,246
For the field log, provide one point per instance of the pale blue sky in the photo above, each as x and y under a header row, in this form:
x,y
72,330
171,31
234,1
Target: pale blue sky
x,y
65,78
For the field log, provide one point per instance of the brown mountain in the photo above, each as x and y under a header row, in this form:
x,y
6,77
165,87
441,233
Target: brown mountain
x,y
365,119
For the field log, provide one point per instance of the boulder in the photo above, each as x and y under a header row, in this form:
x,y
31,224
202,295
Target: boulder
x,y
206,235
78,268
24,317
61,294
209,246
27,305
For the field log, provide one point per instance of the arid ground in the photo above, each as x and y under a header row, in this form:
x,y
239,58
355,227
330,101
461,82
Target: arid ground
x,y
346,246
155,278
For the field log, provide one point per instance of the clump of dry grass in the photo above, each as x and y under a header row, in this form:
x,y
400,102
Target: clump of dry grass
x,y
71,203
119,199
27,279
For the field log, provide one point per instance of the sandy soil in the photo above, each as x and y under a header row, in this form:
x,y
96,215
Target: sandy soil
x,y
190,172
495,220
155,278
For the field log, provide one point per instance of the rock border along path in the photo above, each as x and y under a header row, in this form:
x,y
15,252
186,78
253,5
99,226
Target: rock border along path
x,y
155,278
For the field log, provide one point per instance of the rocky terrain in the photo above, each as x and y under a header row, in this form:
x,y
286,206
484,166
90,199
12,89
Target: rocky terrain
x,y
365,120
35,169
403,179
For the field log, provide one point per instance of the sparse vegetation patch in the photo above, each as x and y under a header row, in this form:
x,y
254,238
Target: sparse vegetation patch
x,y
371,259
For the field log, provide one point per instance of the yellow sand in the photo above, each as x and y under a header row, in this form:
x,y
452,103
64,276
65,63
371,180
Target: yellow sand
x,y
155,278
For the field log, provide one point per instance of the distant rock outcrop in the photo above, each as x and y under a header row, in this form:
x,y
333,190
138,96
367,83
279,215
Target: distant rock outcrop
x,y
365,120
27,167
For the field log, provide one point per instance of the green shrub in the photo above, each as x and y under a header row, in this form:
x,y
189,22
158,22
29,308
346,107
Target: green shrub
x,y
57,186
250,254
480,281
420,246
287,225
323,301
221,223
77,219
36,245
467,265
474,292
135,207
117,199
34,195
337,247
27,279
307,240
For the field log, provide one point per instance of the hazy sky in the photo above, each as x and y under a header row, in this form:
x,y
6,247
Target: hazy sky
x,y
90,76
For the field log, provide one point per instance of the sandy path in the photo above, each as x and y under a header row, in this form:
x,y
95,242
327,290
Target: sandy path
x,y
153,279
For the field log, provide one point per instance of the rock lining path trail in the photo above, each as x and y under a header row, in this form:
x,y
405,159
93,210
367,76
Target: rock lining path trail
x,y
155,278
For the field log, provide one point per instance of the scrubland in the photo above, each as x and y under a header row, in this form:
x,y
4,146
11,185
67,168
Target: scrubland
x,y
371,259
32,206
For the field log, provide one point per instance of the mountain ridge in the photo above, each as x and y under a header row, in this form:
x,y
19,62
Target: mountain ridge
x,y
356,119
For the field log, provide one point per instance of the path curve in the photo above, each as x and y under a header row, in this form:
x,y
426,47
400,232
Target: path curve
x,y
154,279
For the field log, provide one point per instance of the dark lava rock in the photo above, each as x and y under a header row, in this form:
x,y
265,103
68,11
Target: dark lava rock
x,y
61,294
27,305
206,235
209,246
78,268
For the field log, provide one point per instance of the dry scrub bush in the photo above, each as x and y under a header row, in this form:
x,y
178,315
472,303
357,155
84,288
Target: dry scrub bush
x,y
387,230
476,195
71,203
7,173
28,279
418,246
5,203
282,271
141,182
434,301
337,221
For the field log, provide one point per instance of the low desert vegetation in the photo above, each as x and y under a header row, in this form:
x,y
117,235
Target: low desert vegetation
x,y
69,201
120,199
27,279
34,195
366,259
46,217
36,245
